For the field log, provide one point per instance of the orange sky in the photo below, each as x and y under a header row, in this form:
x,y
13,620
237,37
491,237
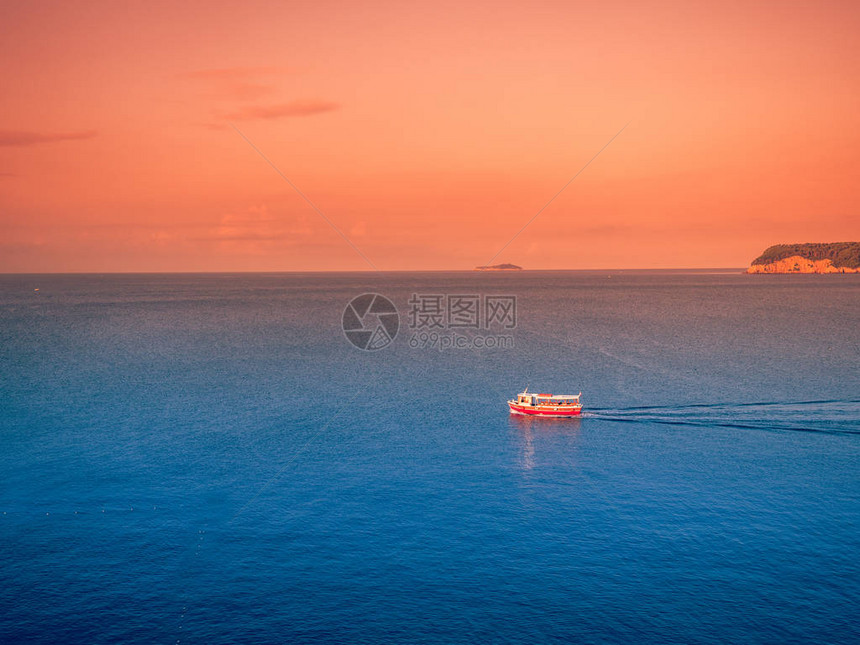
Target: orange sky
x,y
428,133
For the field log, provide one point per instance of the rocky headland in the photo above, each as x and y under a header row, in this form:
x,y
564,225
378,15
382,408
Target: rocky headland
x,y
837,257
499,267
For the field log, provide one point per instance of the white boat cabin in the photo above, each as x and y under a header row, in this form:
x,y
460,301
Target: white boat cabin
x,y
530,398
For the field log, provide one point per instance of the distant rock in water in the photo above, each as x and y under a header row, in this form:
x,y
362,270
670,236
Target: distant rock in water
x,y
838,257
499,267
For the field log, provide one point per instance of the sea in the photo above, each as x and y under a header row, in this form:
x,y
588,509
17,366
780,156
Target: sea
x,y
209,458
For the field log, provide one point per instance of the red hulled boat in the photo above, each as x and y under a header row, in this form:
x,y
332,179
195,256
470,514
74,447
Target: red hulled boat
x,y
546,405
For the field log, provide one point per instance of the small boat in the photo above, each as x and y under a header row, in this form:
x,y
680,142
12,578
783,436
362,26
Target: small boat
x,y
546,405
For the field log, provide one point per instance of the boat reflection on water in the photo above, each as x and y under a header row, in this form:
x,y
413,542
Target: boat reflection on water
x,y
545,433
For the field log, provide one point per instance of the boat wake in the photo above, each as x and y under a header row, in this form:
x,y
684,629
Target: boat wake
x,y
826,416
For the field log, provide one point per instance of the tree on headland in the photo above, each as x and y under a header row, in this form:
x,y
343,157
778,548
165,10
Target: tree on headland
x,y
841,254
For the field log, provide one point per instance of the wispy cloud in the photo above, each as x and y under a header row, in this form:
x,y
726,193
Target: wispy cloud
x,y
232,73
283,110
241,83
257,230
245,87
25,138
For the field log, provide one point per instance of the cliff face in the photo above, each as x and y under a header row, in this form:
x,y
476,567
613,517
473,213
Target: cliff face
x,y
838,257
797,264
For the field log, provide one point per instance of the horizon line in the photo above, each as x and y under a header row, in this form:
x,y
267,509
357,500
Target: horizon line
x,y
371,271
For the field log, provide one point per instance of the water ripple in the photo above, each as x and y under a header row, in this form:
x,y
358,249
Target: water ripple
x,y
831,416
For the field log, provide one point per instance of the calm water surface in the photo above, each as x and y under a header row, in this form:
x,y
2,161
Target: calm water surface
x,y
206,459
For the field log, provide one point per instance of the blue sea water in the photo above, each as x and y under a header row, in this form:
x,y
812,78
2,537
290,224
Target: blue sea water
x,y
207,459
